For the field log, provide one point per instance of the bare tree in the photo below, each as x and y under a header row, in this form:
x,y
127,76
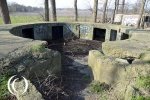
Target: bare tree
x,y
95,10
141,13
104,12
117,6
76,10
5,12
115,11
89,7
53,7
46,4
122,6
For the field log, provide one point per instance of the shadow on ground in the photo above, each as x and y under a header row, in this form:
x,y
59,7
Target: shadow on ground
x,y
75,76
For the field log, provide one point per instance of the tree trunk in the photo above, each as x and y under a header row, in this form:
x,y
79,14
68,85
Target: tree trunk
x,y
115,11
117,6
53,7
122,7
141,13
76,10
104,12
95,10
5,12
46,4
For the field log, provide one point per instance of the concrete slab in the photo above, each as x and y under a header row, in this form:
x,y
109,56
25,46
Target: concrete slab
x,y
133,47
9,43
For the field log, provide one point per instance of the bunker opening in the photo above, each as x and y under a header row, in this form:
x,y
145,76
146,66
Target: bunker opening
x,y
99,34
57,32
129,59
124,36
28,33
113,35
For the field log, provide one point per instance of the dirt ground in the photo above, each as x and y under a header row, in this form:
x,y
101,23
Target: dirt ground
x,y
76,75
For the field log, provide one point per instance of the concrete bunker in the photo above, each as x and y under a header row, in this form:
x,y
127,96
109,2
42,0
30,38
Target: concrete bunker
x,y
99,34
57,32
28,33
72,50
113,35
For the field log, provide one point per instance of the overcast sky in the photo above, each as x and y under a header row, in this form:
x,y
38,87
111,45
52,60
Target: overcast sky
x,y
82,4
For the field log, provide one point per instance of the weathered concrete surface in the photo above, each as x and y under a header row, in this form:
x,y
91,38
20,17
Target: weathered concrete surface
x,y
32,60
145,56
30,94
9,42
43,31
133,47
28,58
118,73
105,69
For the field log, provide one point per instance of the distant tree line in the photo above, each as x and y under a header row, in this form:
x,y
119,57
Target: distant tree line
x,y
14,7
141,4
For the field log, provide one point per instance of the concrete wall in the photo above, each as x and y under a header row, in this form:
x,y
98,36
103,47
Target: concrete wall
x,y
43,31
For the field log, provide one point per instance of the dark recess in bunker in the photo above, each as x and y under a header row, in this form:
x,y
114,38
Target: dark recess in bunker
x,y
124,36
57,32
113,35
28,33
99,34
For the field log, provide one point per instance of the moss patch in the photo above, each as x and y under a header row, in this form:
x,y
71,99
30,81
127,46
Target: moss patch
x,y
38,48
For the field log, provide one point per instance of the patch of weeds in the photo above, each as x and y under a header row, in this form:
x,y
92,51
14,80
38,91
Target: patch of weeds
x,y
97,87
38,48
140,98
143,81
4,93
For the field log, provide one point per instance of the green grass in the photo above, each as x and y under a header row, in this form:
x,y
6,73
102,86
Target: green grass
x,y
140,98
4,93
97,87
36,18
143,81
23,19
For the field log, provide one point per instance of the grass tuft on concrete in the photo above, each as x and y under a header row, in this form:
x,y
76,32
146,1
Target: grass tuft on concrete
x,y
38,48
97,87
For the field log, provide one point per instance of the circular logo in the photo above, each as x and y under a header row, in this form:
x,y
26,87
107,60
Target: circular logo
x,y
11,85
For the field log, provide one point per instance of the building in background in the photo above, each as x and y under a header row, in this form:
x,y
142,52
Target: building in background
x,y
131,20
